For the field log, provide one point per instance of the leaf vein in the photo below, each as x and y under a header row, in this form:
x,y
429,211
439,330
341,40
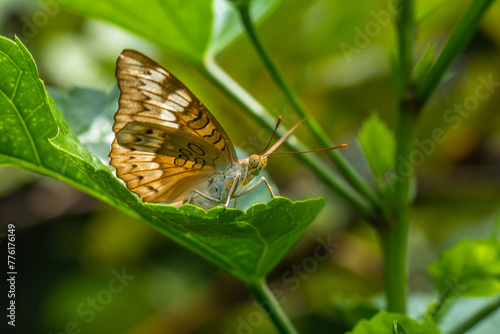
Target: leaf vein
x,y
16,109
32,112
25,128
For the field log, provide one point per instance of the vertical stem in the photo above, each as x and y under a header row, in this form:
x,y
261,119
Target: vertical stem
x,y
406,37
342,164
272,307
395,236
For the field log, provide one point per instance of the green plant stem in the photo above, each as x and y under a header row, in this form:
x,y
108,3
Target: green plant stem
x,y
406,37
272,307
258,112
395,236
457,41
336,156
476,318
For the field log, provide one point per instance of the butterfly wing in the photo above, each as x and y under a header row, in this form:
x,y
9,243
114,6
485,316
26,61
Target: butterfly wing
x,y
167,142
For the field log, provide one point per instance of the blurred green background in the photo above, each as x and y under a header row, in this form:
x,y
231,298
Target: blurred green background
x,y
70,247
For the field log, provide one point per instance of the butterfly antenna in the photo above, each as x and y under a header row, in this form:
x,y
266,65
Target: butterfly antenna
x,y
318,150
282,139
272,136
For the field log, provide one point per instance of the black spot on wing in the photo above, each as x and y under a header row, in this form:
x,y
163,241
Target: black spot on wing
x,y
196,149
215,137
185,152
199,122
181,160
199,163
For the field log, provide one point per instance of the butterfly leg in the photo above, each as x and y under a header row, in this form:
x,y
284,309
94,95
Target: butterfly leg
x,y
268,186
255,184
232,189
206,196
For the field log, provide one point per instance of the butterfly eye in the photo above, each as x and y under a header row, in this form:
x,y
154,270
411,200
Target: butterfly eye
x,y
254,161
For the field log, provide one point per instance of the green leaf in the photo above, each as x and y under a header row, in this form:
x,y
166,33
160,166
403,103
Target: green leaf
x,y
384,323
397,328
35,136
247,244
377,142
193,29
470,268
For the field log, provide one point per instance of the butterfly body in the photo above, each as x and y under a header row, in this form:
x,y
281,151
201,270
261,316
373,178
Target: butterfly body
x,y
228,184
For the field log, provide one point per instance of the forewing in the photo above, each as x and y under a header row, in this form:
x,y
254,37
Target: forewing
x,y
151,94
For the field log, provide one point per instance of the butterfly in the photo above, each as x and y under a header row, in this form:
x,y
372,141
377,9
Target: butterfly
x,y
169,148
